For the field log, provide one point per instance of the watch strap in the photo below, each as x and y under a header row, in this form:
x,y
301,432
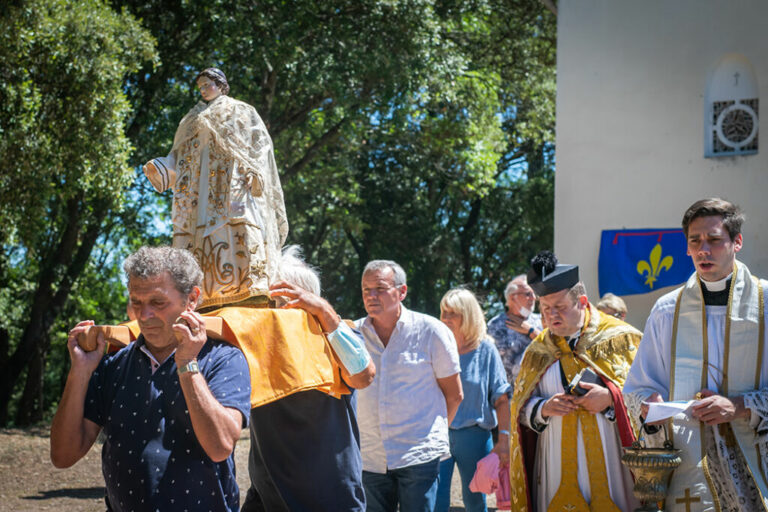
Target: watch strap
x,y
190,367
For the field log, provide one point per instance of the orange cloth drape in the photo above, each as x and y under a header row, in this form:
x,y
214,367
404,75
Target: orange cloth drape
x,y
285,349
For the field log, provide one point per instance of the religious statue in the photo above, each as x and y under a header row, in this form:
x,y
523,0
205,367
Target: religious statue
x,y
228,207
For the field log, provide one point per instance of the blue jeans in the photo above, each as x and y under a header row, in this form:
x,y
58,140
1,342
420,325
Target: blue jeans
x,y
468,446
414,487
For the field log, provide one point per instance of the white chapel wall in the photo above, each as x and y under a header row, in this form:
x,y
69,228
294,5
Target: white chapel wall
x,y
632,79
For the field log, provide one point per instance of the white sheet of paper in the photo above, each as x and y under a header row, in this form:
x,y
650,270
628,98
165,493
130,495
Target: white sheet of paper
x,y
658,411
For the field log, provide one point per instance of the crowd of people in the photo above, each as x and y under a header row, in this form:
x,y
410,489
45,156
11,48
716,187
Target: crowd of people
x,y
550,397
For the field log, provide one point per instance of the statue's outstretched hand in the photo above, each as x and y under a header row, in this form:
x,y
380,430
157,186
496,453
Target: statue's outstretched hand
x,y
160,173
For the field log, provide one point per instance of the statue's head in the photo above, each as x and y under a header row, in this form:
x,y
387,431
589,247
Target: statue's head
x,y
212,83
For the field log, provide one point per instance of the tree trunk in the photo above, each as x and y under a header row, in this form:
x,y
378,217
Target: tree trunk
x,y
30,407
57,275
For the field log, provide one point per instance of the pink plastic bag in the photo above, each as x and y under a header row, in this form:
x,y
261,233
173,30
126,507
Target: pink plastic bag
x,y
489,478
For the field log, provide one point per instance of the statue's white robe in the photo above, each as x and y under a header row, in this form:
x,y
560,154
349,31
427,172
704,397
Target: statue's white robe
x,y
228,207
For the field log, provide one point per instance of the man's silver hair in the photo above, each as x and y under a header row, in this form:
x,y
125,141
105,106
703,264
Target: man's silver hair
x,y
294,270
512,286
399,273
577,291
149,262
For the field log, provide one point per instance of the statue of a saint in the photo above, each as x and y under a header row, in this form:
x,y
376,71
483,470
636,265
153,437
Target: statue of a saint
x,y
228,207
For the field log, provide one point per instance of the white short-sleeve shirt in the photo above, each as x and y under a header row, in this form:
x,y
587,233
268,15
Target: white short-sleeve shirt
x,y
402,415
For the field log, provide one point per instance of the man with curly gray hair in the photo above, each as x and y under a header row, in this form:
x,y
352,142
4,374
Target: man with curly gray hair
x,y
171,404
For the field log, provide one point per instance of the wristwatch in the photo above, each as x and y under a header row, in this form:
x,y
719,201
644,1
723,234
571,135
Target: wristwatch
x,y
190,367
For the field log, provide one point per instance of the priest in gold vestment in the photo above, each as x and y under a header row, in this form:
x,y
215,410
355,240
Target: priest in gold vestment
x,y
228,207
705,342
565,454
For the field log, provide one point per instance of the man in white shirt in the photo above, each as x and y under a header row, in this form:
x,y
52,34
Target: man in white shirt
x,y
404,414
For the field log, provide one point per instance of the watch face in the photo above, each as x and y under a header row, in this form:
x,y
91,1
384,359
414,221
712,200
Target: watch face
x,y
191,367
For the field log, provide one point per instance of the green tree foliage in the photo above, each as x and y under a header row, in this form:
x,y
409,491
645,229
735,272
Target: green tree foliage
x,y
63,171
414,130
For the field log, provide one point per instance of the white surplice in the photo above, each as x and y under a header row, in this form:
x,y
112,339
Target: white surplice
x,y
650,373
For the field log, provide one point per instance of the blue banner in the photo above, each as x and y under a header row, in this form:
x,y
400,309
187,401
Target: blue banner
x,y
634,261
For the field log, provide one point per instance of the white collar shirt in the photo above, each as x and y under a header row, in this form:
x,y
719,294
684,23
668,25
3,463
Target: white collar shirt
x,y
152,360
402,415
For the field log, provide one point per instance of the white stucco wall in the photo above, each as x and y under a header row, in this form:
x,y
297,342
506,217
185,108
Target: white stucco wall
x,y
632,76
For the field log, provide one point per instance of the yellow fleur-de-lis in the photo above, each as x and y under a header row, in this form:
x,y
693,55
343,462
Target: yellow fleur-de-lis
x,y
657,264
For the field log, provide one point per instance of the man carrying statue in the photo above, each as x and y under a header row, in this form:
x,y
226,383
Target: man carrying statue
x,y
228,207
304,364
705,342
171,404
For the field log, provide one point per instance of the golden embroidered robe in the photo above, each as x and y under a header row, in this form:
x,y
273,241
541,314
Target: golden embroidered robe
x,y
606,345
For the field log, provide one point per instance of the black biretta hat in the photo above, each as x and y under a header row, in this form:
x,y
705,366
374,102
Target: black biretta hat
x,y
546,276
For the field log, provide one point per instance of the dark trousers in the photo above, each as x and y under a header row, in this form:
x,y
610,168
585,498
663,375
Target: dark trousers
x,y
305,455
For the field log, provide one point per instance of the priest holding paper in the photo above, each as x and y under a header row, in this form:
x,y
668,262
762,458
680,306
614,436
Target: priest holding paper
x,y
565,454
706,342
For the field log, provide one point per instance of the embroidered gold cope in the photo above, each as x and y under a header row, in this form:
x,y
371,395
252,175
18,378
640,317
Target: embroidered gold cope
x,y
606,345
739,372
228,207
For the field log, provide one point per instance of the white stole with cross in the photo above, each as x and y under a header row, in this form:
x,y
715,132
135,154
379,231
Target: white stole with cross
x,y
691,485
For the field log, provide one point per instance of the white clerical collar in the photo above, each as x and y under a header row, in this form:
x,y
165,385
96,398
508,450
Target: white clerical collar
x,y
573,339
716,286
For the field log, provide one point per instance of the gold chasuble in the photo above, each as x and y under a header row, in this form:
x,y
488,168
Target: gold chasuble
x,y
736,370
607,346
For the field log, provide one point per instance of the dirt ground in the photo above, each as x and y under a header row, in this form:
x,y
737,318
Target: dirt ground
x,y
29,482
